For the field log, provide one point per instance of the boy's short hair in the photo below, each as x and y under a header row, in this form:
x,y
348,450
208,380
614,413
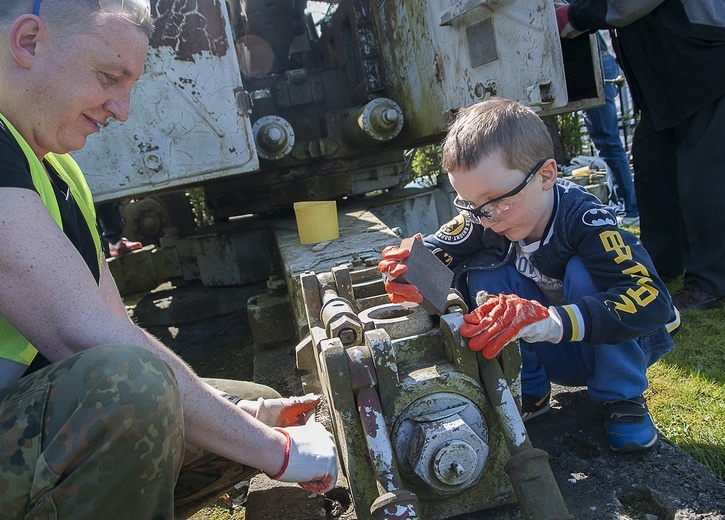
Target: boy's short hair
x,y
496,126
66,16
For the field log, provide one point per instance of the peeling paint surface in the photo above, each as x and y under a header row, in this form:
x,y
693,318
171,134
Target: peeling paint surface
x,y
509,410
190,27
184,112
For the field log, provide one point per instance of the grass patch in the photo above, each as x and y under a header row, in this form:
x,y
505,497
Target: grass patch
x,y
687,388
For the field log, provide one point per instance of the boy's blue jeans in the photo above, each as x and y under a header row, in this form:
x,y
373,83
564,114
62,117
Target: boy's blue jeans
x,y
610,372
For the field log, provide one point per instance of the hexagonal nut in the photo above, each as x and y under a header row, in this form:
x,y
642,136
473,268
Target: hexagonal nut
x,y
455,303
447,454
348,330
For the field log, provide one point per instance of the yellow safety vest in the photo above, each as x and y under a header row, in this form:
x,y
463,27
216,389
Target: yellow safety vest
x,y
13,345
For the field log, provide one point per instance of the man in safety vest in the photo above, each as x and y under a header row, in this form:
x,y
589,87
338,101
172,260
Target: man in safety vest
x,y
115,425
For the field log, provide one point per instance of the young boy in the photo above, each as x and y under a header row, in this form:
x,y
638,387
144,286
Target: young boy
x,y
537,241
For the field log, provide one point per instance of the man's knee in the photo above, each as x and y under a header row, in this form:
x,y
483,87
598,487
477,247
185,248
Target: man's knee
x,y
130,370
125,382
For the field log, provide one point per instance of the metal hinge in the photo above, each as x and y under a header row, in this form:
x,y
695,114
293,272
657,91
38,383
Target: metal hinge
x,y
244,101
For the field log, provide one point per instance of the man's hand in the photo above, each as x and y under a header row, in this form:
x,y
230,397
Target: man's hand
x,y
507,317
310,459
566,30
286,411
392,267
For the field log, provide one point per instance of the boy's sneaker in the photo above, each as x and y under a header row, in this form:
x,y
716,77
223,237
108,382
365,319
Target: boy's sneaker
x,y
534,406
629,425
628,221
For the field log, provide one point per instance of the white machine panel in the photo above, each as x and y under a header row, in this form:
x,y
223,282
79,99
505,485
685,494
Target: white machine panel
x,y
188,123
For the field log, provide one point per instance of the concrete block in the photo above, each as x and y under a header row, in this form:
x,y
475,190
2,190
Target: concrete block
x,y
431,277
235,258
271,321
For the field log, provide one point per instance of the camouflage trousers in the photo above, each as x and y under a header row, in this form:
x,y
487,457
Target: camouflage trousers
x,y
100,435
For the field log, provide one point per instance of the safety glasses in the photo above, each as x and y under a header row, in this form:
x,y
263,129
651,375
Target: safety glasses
x,y
497,208
135,11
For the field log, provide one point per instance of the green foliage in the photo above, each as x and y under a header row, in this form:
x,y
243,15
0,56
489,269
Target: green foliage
x,y
198,206
570,129
426,164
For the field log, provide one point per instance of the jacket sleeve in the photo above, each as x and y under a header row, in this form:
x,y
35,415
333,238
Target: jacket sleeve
x,y
608,14
631,299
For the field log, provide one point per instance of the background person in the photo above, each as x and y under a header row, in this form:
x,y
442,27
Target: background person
x,y
673,55
603,127
111,224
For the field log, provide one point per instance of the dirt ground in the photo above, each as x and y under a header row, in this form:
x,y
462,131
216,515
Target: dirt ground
x,y
208,328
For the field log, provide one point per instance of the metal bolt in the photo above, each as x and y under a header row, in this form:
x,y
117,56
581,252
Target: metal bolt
x,y
390,116
273,135
347,336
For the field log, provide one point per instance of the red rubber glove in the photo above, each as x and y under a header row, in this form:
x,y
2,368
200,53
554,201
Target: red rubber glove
x,y
392,267
562,17
566,30
286,411
505,318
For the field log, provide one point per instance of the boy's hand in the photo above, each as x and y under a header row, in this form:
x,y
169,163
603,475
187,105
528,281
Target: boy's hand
x,y
507,317
286,411
392,267
402,292
310,458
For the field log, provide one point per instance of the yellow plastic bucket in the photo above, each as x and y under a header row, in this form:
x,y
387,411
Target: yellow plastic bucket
x,y
584,171
316,221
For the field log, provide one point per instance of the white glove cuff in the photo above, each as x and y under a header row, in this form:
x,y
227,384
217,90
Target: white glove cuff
x,y
557,326
267,413
549,329
286,455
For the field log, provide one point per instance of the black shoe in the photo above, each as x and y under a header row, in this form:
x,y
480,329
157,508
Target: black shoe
x,y
691,297
534,406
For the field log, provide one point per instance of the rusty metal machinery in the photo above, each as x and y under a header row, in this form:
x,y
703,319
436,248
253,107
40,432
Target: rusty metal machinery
x,y
420,420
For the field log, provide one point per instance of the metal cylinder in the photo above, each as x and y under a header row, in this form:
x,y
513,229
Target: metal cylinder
x,y
538,495
533,482
397,320
378,121
274,137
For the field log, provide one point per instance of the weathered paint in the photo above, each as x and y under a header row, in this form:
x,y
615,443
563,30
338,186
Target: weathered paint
x,y
190,27
510,416
186,124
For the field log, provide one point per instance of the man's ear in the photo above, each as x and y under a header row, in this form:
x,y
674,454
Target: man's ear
x,y
24,36
548,174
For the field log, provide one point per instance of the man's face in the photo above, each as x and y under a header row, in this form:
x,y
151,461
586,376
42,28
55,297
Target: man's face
x,y
84,83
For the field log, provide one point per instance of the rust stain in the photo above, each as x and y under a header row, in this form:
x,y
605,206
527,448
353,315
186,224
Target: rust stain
x,y
189,27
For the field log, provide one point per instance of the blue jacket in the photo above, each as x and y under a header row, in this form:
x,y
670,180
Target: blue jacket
x,y
632,300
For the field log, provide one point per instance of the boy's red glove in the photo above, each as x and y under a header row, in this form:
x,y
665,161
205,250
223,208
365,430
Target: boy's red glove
x,y
507,317
392,267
